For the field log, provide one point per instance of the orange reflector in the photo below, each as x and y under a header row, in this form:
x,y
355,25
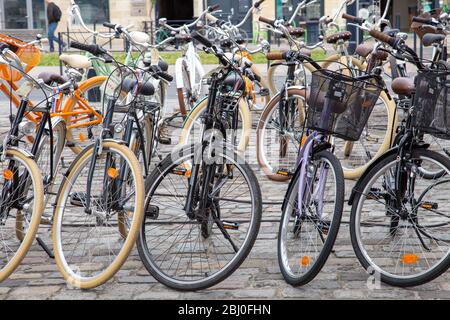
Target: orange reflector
x,y
283,173
82,137
410,258
8,174
305,261
113,173
188,173
304,138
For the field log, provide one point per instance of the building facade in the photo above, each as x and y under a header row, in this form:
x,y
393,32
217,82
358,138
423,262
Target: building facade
x,y
30,14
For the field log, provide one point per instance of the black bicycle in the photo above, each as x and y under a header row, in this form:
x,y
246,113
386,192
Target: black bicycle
x,y
203,204
99,206
400,219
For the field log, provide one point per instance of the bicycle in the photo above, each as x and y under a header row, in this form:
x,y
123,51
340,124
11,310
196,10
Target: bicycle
x,y
189,71
278,161
403,190
99,206
28,174
193,235
78,111
257,93
337,106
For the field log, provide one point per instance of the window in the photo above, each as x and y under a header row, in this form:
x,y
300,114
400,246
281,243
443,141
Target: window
x,y
94,11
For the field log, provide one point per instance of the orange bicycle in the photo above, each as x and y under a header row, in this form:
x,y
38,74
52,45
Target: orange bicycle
x,y
79,108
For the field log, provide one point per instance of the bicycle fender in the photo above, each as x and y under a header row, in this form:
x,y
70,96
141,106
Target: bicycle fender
x,y
179,73
26,153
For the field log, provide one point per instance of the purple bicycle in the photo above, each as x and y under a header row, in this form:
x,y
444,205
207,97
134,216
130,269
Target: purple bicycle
x,y
337,105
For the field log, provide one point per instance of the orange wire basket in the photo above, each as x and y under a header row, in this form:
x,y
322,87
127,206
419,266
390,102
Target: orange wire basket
x,y
28,54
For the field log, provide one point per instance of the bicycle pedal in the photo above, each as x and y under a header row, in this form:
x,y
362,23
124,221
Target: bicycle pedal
x,y
285,173
152,212
45,247
230,225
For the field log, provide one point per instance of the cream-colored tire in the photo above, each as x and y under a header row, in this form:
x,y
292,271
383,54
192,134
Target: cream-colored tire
x,y
265,134
72,271
17,236
192,125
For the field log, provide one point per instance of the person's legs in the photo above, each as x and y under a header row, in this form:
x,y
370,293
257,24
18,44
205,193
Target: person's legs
x,y
52,38
51,35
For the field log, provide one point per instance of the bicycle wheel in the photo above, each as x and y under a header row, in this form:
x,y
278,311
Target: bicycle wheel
x,y
196,251
193,126
89,245
87,101
21,210
279,134
400,225
306,238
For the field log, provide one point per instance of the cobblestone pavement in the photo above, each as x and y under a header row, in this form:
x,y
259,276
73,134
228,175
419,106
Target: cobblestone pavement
x,y
258,278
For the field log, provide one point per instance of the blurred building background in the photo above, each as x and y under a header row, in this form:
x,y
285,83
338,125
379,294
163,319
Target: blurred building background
x,y
22,16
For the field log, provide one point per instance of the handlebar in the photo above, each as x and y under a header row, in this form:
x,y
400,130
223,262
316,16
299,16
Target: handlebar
x,y
270,22
209,10
383,38
354,19
425,21
197,36
94,49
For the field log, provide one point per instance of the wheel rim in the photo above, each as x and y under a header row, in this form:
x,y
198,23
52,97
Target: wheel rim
x,y
202,248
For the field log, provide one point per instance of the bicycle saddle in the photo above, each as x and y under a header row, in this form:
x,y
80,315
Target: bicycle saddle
x,y
334,38
296,32
76,61
49,78
429,39
163,66
403,86
364,49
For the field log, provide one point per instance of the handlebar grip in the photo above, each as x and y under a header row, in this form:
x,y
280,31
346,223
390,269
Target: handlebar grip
x,y
211,18
277,55
270,22
110,25
383,37
202,39
214,8
423,20
94,49
165,76
354,19
258,3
